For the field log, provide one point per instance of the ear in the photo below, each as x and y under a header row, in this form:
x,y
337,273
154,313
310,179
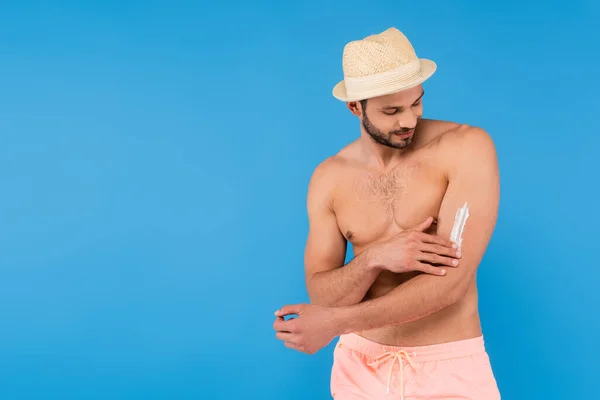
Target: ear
x,y
355,108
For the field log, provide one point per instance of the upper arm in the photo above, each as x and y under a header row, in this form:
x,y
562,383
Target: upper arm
x,y
325,245
473,178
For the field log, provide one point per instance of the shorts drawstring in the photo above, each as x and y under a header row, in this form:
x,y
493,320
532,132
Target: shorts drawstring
x,y
395,356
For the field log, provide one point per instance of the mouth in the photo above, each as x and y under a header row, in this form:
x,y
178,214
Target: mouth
x,y
405,135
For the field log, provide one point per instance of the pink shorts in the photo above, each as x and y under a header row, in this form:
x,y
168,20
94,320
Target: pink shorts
x,y
363,369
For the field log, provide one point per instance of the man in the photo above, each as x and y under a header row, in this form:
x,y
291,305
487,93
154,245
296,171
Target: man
x,y
405,308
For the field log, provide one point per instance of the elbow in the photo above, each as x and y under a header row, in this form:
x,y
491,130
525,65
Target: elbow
x,y
456,293
459,288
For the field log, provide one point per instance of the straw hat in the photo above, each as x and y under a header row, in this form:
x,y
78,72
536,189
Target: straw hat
x,y
381,64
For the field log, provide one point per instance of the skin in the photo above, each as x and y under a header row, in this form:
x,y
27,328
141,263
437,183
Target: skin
x,y
395,198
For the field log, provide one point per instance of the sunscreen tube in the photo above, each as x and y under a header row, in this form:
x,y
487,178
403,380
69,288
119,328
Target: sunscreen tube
x,y
459,225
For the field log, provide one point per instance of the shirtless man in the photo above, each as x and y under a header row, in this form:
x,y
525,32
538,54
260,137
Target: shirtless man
x,y
405,308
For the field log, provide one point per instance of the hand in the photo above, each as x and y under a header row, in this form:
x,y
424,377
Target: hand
x,y
415,250
314,327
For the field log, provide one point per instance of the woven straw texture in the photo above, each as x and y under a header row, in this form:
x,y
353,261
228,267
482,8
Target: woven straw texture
x,y
377,53
381,64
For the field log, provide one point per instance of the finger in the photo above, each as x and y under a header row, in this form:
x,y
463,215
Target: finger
x,y
292,345
278,325
285,336
439,249
427,238
424,225
282,325
289,309
429,269
437,259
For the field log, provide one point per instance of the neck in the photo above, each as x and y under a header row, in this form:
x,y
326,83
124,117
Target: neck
x,y
379,155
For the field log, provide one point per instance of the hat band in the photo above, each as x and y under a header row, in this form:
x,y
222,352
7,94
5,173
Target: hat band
x,y
374,83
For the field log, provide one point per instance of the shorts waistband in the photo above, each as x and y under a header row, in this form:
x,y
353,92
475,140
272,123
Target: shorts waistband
x,y
434,352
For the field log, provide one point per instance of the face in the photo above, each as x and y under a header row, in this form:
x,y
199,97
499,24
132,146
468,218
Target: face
x,y
391,120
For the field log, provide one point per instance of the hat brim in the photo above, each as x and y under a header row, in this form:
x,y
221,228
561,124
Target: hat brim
x,y
426,70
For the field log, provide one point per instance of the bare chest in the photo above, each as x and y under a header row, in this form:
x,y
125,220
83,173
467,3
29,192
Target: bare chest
x,y
373,207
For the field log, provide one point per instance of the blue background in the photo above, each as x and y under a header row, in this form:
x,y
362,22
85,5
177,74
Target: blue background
x,y
154,158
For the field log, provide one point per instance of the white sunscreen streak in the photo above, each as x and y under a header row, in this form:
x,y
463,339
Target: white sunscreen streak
x,y
459,225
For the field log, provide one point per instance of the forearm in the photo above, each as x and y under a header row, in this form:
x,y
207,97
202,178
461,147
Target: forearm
x,y
413,300
343,286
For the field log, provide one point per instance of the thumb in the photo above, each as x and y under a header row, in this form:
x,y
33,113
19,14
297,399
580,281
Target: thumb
x,y
287,310
424,225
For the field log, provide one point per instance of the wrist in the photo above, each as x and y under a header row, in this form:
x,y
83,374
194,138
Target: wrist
x,y
342,320
373,262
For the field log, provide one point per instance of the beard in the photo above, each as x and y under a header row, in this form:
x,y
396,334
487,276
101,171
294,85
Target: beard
x,y
388,139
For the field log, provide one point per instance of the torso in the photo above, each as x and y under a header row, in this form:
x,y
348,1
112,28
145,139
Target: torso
x,y
372,206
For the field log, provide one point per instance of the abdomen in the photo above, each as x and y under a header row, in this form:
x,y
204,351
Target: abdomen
x,y
387,281
456,322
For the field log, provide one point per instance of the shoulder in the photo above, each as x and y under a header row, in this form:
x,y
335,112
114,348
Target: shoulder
x,y
323,181
328,174
327,170
467,138
467,146
331,169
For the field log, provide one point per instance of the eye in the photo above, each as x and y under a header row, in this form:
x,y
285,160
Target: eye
x,y
418,103
390,112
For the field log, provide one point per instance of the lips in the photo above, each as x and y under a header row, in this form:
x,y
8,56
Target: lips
x,y
405,135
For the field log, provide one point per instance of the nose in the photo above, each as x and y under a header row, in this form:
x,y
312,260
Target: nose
x,y
407,119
